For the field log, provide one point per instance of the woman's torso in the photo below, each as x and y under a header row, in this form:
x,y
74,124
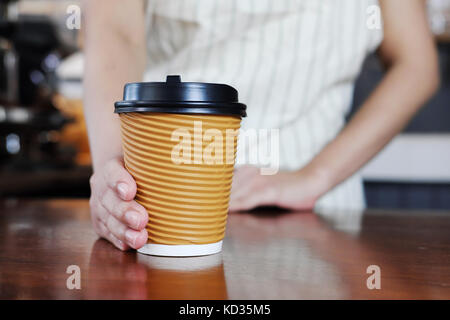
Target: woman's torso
x,y
294,63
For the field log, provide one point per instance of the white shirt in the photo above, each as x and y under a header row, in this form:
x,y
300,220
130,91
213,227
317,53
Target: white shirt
x,y
294,63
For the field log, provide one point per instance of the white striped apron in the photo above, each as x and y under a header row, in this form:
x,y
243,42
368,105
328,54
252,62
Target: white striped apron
x,y
294,63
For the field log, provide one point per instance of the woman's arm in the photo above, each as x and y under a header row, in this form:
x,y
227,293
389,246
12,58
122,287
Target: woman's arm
x,y
114,37
412,77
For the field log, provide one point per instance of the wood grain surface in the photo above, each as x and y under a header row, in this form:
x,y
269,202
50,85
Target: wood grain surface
x,y
266,255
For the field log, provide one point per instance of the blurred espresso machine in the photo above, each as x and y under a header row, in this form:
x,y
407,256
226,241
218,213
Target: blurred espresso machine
x,y
30,125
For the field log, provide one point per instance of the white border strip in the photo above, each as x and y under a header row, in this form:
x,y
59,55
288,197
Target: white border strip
x,y
181,263
182,250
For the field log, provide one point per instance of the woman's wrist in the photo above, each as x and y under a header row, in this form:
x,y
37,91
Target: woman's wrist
x,y
320,177
99,160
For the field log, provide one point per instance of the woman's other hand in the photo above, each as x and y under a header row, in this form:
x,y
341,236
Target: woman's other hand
x,y
297,190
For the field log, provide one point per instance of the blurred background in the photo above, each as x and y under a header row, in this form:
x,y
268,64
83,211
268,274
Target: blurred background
x,y
44,149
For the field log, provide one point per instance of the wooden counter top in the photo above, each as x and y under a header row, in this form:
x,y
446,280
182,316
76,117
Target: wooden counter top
x,y
266,256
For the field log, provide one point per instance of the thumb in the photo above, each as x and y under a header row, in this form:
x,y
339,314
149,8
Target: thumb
x,y
119,179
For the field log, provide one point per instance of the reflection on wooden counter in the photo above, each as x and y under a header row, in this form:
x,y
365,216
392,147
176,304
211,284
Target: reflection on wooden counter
x,y
267,255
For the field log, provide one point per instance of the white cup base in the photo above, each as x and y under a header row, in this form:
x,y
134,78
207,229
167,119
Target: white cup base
x,y
181,250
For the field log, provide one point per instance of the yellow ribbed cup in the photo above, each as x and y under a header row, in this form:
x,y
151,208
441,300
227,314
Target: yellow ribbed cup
x,y
187,203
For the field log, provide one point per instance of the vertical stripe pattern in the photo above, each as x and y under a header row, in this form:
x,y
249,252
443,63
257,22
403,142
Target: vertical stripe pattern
x,y
294,63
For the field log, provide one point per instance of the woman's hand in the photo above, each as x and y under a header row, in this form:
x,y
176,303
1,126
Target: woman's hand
x,y
297,190
115,215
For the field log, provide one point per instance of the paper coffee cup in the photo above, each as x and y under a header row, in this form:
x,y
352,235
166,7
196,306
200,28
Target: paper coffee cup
x,y
179,143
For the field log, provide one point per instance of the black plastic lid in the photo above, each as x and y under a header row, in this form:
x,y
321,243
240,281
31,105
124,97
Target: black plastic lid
x,y
174,96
